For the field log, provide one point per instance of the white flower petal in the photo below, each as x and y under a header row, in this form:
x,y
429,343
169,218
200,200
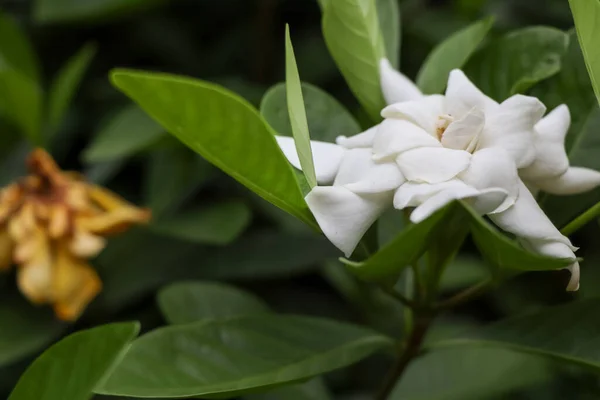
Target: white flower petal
x,y
575,180
354,167
326,157
462,95
432,164
345,216
380,178
512,127
551,159
463,134
526,220
493,168
431,197
396,136
573,285
362,140
395,86
423,112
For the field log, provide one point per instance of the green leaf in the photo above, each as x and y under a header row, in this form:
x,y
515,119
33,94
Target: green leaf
x,y
406,248
187,302
452,53
567,333
227,358
470,374
53,11
24,329
415,239
327,118
297,113
462,272
586,14
388,13
21,94
124,135
73,367
506,253
219,224
517,61
353,36
312,390
66,83
220,126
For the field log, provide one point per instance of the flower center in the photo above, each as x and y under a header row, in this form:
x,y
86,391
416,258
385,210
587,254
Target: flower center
x,y
442,124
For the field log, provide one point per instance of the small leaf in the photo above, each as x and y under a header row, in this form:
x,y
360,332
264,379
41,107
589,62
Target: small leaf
x,y
24,329
327,118
227,358
127,133
187,302
22,95
505,253
452,53
567,333
353,36
53,11
73,367
517,61
406,248
448,374
66,83
586,14
220,126
388,13
219,224
297,113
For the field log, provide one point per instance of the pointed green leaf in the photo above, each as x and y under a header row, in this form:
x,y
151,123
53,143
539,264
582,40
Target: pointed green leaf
x,y
127,133
567,332
219,224
353,35
297,113
66,83
226,358
407,247
586,14
73,367
452,53
517,61
223,128
186,302
327,118
21,95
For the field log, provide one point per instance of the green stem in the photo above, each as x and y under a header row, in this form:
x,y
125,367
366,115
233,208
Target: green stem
x,y
408,352
582,220
466,295
398,296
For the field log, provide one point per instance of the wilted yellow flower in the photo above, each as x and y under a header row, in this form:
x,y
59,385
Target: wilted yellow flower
x,y
51,222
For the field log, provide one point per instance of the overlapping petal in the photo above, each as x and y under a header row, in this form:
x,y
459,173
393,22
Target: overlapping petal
x,y
396,136
575,180
423,112
362,140
326,157
462,95
432,164
345,216
463,134
511,128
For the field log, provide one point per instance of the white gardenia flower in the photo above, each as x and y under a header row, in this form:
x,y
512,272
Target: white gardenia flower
x,y
429,151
